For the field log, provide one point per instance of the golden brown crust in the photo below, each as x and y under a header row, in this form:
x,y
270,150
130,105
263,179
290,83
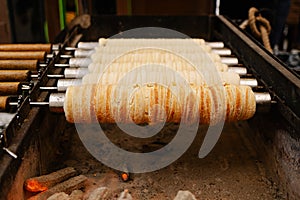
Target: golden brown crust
x,y
136,103
109,101
68,104
191,77
9,88
14,75
19,65
3,103
26,47
23,55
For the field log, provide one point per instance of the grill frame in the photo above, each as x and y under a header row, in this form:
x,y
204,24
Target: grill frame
x,y
280,81
24,130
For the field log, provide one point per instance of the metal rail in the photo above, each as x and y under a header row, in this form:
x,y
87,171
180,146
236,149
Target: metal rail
x,y
283,84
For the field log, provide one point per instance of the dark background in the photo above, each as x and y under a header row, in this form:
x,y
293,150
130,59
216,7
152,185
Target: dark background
x,y
24,21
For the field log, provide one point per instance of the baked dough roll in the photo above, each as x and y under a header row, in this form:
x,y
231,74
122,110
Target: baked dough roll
x,y
152,54
125,66
154,103
160,76
182,43
175,65
79,104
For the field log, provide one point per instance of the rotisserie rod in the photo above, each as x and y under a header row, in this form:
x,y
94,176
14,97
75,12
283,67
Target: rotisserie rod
x,y
92,45
32,65
14,75
23,55
134,103
92,103
10,88
26,47
63,84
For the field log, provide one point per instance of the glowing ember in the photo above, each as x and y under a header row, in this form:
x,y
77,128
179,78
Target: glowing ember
x,y
125,177
34,186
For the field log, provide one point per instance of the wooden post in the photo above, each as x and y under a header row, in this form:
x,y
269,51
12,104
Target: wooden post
x,y
52,18
166,7
84,7
5,29
124,7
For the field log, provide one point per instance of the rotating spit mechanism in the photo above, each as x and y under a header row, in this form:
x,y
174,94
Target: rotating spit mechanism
x,y
76,86
89,94
3,144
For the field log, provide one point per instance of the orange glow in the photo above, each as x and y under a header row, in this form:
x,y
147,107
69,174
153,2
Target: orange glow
x,y
34,186
124,176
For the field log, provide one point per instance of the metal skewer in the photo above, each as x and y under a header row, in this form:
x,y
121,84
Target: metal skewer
x,y
56,101
63,84
92,45
68,73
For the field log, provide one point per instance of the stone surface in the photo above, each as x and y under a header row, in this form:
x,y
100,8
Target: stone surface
x,y
99,194
59,196
125,195
184,195
76,195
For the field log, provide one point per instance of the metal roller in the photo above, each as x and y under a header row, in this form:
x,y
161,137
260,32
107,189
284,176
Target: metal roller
x,y
263,101
56,102
50,56
263,98
56,47
215,45
75,62
92,45
79,53
222,52
63,84
79,62
70,73
252,82
75,72
229,60
87,45
242,71
85,61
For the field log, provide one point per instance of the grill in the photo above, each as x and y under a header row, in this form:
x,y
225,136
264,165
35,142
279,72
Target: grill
x,y
36,128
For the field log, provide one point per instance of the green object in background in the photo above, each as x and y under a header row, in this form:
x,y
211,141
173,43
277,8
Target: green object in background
x,y
46,31
62,13
129,7
76,7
